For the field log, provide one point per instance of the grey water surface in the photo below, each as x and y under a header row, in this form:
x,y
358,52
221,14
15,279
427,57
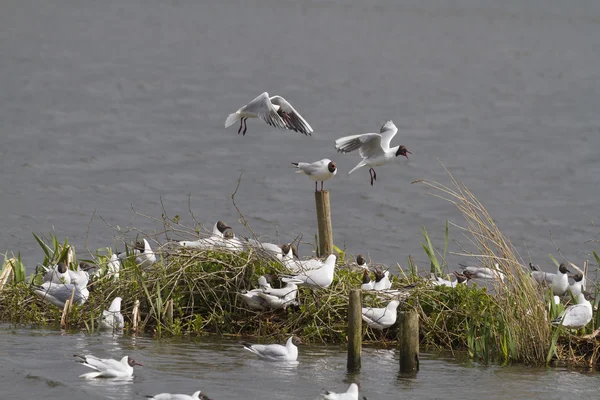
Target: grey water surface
x,y
113,106
40,364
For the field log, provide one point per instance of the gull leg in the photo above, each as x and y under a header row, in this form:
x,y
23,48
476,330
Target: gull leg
x,y
241,123
245,126
321,186
371,175
316,187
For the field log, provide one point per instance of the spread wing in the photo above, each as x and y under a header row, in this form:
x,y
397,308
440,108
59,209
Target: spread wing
x,y
388,131
367,144
292,118
263,109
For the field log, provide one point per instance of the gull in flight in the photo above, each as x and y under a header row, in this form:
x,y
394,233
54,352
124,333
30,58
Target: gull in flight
x,y
168,396
374,148
276,352
322,170
274,110
107,368
350,394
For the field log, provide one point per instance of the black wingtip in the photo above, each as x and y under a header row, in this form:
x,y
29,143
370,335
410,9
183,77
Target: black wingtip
x,y
295,164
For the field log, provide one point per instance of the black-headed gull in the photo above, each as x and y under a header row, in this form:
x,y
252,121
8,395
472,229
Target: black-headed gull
x,y
168,396
276,352
558,282
318,278
437,281
107,367
322,170
367,282
576,316
274,110
381,318
112,319
59,293
577,286
382,280
280,298
142,252
473,272
374,148
58,273
271,249
350,394
253,300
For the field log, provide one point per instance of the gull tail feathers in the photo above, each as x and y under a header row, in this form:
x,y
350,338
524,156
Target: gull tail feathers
x,y
232,119
90,375
359,165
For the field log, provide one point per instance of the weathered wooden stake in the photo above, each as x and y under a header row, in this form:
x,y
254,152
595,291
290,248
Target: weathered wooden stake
x,y
136,316
354,330
324,223
170,312
408,341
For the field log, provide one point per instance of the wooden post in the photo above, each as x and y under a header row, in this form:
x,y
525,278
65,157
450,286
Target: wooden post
x,y
324,223
354,330
136,316
408,341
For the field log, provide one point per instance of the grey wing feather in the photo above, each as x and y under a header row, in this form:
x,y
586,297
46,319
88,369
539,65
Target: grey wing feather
x,y
309,168
263,109
292,118
365,143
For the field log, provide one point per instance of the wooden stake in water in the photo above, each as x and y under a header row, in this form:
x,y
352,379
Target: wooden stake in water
x,y
408,341
324,223
136,316
354,330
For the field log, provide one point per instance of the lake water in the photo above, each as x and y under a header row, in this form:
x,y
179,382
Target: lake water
x,y
120,104
40,364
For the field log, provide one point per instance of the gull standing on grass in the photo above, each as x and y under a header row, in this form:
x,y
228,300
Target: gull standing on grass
x,y
374,148
350,394
317,278
576,316
142,252
381,318
168,396
276,352
322,170
113,319
274,110
215,240
473,272
106,367
57,274
252,298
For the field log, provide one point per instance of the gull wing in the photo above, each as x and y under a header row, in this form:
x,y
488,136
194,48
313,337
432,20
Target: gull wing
x,y
292,118
365,143
263,109
387,131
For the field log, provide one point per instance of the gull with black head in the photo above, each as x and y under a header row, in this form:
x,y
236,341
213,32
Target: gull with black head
x,y
322,170
374,148
275,111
